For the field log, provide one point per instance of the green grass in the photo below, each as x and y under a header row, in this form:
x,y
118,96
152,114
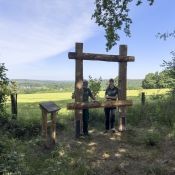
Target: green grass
x,y
28,104
147,147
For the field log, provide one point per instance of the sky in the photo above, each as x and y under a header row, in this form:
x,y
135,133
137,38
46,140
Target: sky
x,y
36,36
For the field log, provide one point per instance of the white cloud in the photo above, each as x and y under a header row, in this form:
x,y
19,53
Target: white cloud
x,y
32,30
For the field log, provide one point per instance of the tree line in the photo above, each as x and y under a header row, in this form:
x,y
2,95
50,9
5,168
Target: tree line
x,y
158,80
40,86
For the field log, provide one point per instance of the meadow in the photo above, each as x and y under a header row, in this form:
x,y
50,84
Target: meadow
x,y
32,98
66,96
146,147
28,104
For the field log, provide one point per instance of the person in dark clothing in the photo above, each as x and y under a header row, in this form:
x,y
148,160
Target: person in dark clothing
x,y
86,94
111,93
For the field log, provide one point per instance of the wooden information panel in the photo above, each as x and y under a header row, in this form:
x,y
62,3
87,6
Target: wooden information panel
x,y
49,106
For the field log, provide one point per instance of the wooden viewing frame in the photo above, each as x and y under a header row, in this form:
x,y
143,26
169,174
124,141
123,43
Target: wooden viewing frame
x,y
122,58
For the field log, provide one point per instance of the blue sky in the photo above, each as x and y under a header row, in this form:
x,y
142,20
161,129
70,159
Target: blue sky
x,y
36,35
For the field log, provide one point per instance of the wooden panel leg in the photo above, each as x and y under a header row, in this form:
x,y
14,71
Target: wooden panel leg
x,y
53,127
122,119
44,125
78,123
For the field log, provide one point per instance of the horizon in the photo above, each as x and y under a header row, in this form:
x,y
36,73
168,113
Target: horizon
x,y
56,80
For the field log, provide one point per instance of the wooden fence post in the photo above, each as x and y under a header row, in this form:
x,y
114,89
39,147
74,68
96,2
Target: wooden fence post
x,y
122,84
143,98
78,89
14,104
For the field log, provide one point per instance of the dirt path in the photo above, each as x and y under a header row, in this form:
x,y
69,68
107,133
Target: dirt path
x,y
123,153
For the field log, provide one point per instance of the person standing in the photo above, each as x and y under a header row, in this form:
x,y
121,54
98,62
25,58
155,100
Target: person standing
x,y
111,93
86,94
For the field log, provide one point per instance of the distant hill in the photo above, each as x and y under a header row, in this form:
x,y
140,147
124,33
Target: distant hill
x,y
35,86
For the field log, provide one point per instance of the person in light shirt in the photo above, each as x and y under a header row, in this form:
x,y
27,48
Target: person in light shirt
x,y
111,93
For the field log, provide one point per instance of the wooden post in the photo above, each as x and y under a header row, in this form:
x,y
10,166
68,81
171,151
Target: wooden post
x,y
78,89
44,125
53,127
14,104
143,98
122,84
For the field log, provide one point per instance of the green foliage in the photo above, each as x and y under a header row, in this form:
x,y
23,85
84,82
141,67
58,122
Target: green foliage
x,y
4,81
95,85
157,97
158,110
170,69
116,81
166,35
169,65
32,86
19,129
13,163
35,86
157,80
113,15
13,87
151,81
3,78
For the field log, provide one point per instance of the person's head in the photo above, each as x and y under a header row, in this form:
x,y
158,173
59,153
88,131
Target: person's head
x,y
85,83
111,82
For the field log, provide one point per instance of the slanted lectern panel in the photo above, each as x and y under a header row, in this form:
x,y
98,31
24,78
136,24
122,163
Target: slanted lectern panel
x,y
49,106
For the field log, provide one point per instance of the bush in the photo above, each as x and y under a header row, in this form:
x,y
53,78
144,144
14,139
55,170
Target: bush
x,y
95,85
4,81
18,129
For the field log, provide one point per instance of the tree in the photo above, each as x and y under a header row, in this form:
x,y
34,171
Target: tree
x,y
113,15
170,68
157,80
169,65
166,35
95,85
149,82
4,81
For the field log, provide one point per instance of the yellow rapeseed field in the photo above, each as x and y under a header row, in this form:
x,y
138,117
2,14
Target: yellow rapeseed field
x,y
31,98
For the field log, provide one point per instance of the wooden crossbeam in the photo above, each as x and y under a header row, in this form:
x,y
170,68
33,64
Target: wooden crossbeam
x,y
100,57
96,104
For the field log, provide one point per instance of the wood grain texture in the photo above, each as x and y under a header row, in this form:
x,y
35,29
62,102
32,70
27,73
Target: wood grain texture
x,y
100,57
105,104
